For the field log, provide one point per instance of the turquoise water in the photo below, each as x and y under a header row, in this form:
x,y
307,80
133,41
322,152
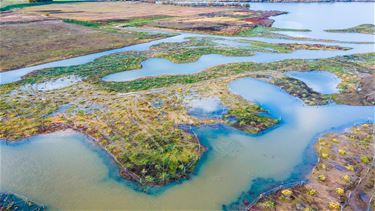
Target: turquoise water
x,y
63,170
320,81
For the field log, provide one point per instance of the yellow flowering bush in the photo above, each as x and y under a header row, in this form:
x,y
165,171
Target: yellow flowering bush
x,y
340,191
322,178
334,206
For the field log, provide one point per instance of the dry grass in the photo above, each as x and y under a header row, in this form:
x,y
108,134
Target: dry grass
x,y
26,44
10,17
115,10
210,19
214,20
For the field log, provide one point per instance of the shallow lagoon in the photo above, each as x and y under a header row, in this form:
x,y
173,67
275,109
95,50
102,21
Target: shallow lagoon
x,y
61,171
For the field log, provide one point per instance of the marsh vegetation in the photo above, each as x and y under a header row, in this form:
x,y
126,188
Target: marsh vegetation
x,y
146,126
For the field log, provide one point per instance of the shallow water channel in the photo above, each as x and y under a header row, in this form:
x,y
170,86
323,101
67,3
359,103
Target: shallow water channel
x,y
65,170
300,16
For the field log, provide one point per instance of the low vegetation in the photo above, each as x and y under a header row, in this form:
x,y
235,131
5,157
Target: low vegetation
x,y
83,23
244,119
191,51
271,32
299,89
363,28
142,21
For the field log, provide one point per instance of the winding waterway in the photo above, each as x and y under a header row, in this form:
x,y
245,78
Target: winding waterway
x,y
354,14
156,66
64,170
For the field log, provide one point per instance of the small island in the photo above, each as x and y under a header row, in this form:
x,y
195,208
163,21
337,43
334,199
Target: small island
x,y
363,28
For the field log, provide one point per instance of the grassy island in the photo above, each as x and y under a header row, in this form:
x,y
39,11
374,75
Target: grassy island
x,y
363,28
299,89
